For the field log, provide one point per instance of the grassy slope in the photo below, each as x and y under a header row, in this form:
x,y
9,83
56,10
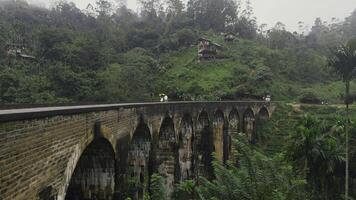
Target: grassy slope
x,y
238,73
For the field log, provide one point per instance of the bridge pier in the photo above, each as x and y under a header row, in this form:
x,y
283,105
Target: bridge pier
x,y
218,134
185,151
233,131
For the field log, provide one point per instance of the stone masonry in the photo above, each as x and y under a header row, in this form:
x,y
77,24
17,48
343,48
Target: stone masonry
x,y
45,152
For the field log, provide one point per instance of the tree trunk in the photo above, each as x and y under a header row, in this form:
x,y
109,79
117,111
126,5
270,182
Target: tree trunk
x,y
347,141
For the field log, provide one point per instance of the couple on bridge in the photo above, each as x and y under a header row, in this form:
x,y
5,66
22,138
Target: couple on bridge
x,y
163,98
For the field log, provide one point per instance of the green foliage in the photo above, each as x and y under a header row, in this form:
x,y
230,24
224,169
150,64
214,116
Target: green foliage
x,y
157,187
343,62
116,55
263,74
33,88
256,177
186,37
186,190
310,98
157,50
249,68
120,83
279,39
317,152
210,14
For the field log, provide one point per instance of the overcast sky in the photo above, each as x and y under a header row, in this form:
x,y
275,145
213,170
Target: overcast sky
x,y
289,12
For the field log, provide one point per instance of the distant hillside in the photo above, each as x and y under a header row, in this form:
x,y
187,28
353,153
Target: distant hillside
x,y
250,68
112,54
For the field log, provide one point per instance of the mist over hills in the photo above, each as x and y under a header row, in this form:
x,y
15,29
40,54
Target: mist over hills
x,y
267,12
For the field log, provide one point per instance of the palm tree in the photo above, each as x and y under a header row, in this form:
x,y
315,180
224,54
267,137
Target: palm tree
x,y
315,151
343,63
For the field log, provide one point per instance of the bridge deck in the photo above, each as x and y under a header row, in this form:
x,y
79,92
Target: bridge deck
x,y
38,112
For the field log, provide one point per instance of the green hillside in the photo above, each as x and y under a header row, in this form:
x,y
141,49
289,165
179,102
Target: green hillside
x,y
113,54
250,68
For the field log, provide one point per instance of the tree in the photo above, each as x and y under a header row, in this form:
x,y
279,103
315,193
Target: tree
x,y
121,3
174,15
175,7
231,14
315,152
213,14
349,26
151,9
185,37
248,12
123,83
279,39
323,35
343,63
258,177
9,85
103,7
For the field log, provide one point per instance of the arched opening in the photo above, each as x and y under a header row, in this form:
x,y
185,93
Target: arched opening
x,y
185,151
263,114
261,125
249,125
204,145
94,175
138,160
234,126
219,134
168,166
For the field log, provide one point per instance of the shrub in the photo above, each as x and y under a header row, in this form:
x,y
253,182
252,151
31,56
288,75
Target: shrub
x,y
310,98
185,37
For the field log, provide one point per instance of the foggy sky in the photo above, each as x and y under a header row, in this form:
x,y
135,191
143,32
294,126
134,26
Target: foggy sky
x,y
289,12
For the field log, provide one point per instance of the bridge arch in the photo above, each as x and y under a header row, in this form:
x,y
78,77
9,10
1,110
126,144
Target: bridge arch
x,y
204,145
263,113
167,155
249,124
167,130
185,149
234,122
261,119
202,121
94,174
97,132
139,159
219,131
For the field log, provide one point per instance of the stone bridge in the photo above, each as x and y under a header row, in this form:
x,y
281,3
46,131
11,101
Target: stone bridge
x,y
111,151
